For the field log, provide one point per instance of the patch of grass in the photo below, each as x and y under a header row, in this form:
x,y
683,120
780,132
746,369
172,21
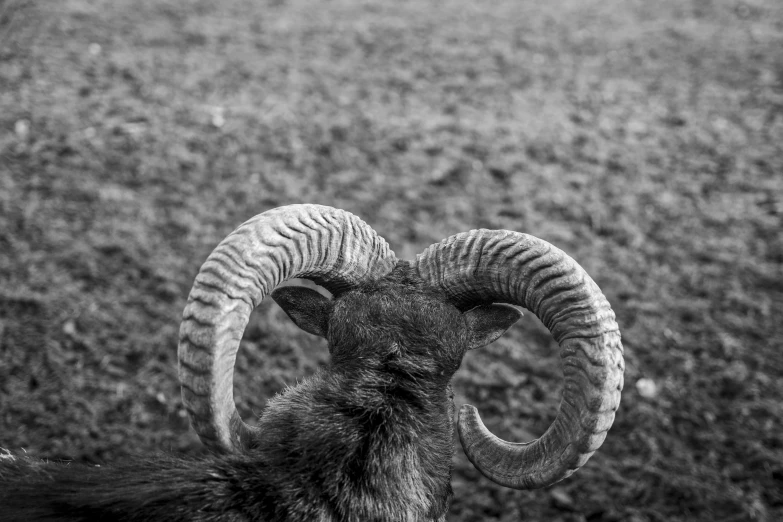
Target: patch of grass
x,y
644,138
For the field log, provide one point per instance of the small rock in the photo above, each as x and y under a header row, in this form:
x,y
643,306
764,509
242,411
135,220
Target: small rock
x,y
647,388
561,499
22,128
218,116
69,328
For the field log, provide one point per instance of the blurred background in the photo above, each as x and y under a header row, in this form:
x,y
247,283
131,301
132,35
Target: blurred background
x,y
643,138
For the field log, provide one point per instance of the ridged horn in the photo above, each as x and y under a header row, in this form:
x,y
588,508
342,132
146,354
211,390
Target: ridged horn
x,y
484,266
329,246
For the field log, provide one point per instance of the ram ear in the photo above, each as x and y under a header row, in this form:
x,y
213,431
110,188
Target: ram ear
x,y
488,322
308,309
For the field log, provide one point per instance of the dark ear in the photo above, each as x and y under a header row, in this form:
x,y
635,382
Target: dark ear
x,y
308,309
488,322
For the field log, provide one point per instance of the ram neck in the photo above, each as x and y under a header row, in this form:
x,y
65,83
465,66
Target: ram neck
x,y
348,438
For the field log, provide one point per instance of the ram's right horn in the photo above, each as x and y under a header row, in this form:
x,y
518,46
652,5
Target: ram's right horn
x,y
332,247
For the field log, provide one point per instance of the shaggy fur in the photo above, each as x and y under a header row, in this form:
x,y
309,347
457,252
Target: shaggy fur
x,y
367,438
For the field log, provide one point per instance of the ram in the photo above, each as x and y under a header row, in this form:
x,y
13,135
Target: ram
x,y
369,436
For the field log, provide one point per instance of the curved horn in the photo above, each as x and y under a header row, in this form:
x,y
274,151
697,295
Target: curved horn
x,y
332,247
484,266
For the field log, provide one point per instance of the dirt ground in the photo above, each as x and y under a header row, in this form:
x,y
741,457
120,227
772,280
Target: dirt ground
x,y
643,138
